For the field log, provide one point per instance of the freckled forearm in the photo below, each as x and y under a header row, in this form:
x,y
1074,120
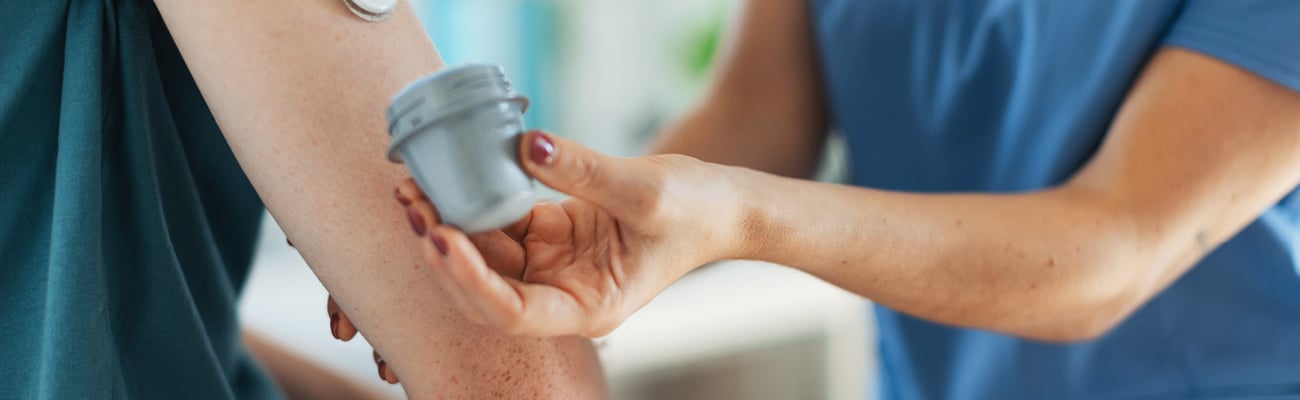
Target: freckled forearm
x,y
299,89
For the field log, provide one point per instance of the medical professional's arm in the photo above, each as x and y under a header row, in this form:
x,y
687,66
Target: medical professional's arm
x,y
299,88
765,109
1199,149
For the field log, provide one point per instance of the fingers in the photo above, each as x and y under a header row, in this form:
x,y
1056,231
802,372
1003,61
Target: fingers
x,y
420,210
519,229
340,326
433,253
385,373
584,173
506,303
501,252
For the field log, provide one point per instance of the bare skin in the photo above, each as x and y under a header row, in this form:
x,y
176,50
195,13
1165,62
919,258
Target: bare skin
x,y
299,90
1199,149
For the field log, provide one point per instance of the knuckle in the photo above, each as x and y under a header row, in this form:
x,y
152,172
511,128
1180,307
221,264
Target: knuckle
x,y
656,197
587,172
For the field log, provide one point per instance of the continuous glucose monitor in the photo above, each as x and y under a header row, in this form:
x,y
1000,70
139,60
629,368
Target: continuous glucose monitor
x,y
372,10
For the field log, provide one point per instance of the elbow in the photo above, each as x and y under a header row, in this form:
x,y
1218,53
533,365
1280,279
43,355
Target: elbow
x,y
1107,282
1078,315
1084,313
1076,326
1089,306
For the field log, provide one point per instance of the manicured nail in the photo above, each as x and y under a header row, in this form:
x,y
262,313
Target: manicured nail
x,y
542,150
334,325
401,198
440,243
417,223
382,366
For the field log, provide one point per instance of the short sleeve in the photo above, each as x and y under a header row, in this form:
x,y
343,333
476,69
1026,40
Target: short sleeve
x,y
1260,36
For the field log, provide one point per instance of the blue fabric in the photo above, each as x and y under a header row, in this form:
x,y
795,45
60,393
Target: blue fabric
x,y
1011,95
126,227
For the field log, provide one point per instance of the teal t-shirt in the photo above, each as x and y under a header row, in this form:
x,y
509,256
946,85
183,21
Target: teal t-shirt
x,y
126,227
1014,95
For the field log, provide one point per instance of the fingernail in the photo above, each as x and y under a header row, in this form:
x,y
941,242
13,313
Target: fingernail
x,y
382,365
440,243
542,150
401,198
334,325
417,223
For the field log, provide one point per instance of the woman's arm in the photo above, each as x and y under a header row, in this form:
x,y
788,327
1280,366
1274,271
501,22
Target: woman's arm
x,y
1199,149
765,109
299,88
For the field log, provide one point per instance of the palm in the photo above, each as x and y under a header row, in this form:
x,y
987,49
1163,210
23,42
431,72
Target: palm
x,y
576,248
571,255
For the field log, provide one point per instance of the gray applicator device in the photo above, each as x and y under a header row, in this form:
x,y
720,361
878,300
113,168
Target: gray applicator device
x,y
458,132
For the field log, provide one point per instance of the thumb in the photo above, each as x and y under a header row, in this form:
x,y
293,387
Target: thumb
x,y
564,165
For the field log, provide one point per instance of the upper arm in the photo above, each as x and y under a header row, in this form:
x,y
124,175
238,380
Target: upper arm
x,y
299,89
1199,149
765,109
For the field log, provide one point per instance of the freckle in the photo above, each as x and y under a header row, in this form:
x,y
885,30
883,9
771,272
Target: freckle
x,y
844,262
455,380
1051,262
958,221
1033,286
416,266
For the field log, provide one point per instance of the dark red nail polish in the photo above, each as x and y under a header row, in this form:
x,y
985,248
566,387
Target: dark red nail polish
x,y
542,150
440,243
334,325
417,223
401,198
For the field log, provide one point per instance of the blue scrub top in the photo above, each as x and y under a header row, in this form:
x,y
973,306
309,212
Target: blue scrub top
x,y
126,227
1011,95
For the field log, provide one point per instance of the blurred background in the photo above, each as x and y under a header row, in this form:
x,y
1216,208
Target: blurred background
x,y
610,74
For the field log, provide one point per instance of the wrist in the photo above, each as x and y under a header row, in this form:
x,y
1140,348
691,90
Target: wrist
x,y
746,234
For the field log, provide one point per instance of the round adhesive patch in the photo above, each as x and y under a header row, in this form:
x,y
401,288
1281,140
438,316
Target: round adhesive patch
x,y
372,10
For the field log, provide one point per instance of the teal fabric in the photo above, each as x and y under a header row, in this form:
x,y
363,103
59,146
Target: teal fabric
x,y
126,227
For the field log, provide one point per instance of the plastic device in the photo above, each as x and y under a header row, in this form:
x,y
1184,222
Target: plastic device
x,y
372,10
458,132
